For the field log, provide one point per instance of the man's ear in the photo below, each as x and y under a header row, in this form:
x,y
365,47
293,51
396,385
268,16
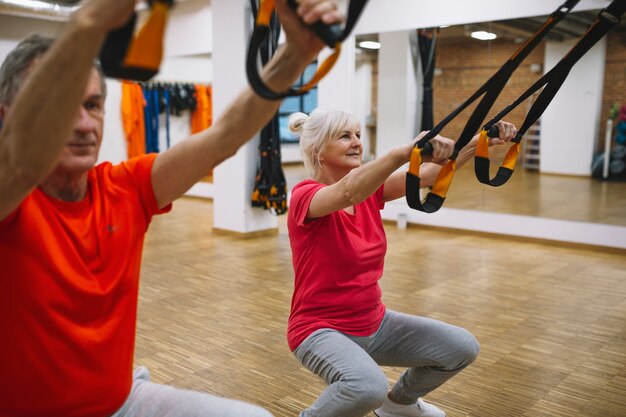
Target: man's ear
x,y
2,114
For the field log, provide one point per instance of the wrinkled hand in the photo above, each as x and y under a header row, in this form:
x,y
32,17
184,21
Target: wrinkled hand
x,y
442,149
309,11
507,133
106,15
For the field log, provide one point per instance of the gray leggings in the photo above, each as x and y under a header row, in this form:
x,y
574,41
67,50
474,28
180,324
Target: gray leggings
x,y
432,350
148,399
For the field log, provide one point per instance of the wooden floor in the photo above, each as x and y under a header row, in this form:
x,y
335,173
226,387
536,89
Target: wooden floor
x,y
551,320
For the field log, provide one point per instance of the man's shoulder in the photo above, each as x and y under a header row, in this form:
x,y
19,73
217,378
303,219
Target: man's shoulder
x,y
139,164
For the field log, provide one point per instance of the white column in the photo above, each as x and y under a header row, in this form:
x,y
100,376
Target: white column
x,y
570,124
397,92
337,89
363,99
234,178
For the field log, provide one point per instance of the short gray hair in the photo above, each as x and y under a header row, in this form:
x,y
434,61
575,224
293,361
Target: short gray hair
x,y
15,66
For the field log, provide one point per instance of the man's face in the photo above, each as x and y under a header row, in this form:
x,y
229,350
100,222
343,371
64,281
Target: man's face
x,y
81,152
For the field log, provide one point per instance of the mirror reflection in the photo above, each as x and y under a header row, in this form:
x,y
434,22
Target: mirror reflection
x,y
555,175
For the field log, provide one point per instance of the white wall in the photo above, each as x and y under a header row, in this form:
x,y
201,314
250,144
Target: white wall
x,y
396,92
189,30
13,29
363,102
337,89
395,15
569,126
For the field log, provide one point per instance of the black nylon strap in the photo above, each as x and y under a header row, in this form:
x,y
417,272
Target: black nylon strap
x,y
330,34
551,82
270,190
491,90
116,46
431,203
496,83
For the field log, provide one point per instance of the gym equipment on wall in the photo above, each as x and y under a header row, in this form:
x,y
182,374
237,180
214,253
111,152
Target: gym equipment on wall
x,y
138,58
611,165
490,92
270,186
332,35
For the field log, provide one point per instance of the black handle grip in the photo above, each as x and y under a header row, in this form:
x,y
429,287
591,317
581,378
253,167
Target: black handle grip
x,y
493,132
427,150
170,3
330,34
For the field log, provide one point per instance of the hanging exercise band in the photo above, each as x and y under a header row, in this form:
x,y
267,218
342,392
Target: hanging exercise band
x,y
130,57
270,186
332,35
491,90
551,82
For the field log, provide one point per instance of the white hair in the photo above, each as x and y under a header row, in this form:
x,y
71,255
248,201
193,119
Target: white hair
x,y
316,130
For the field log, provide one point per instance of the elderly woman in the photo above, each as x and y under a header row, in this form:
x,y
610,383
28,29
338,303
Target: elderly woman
x,y
339,327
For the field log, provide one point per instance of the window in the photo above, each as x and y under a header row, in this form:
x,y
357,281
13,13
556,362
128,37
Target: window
x,y
305,103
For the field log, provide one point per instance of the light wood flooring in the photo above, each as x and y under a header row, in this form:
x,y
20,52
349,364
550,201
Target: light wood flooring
x,y
551,320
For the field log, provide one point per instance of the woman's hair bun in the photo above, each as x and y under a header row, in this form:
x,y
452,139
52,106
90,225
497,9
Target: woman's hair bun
x,y
296,122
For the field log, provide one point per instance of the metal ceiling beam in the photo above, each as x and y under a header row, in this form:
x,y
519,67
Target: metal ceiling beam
x,y
509,27
572,27
39,9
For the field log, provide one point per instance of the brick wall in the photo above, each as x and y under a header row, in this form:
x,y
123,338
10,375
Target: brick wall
x,y
468,64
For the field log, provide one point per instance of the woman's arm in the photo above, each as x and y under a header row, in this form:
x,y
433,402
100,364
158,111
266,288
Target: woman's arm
x,y
362,182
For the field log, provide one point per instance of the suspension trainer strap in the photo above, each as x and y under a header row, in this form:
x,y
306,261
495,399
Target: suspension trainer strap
x,y
130,57
551,82
270,187
332,35
490,92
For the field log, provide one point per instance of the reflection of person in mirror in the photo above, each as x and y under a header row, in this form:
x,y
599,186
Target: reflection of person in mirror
x,y
72,232
338,327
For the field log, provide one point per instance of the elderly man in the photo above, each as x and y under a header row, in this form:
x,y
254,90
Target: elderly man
x,y
71,232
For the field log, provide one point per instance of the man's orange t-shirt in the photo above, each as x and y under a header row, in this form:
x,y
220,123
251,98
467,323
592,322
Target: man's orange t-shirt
x,y
69,275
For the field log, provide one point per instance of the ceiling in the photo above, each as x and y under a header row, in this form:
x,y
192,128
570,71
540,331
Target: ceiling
x,y
572,27
58,10
518,30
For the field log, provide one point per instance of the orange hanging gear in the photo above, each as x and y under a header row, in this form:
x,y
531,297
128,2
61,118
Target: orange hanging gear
x,y
133,103
202,117
130,57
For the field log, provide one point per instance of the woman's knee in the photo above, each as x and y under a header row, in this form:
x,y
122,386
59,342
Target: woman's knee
x,y
467,349
369,389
